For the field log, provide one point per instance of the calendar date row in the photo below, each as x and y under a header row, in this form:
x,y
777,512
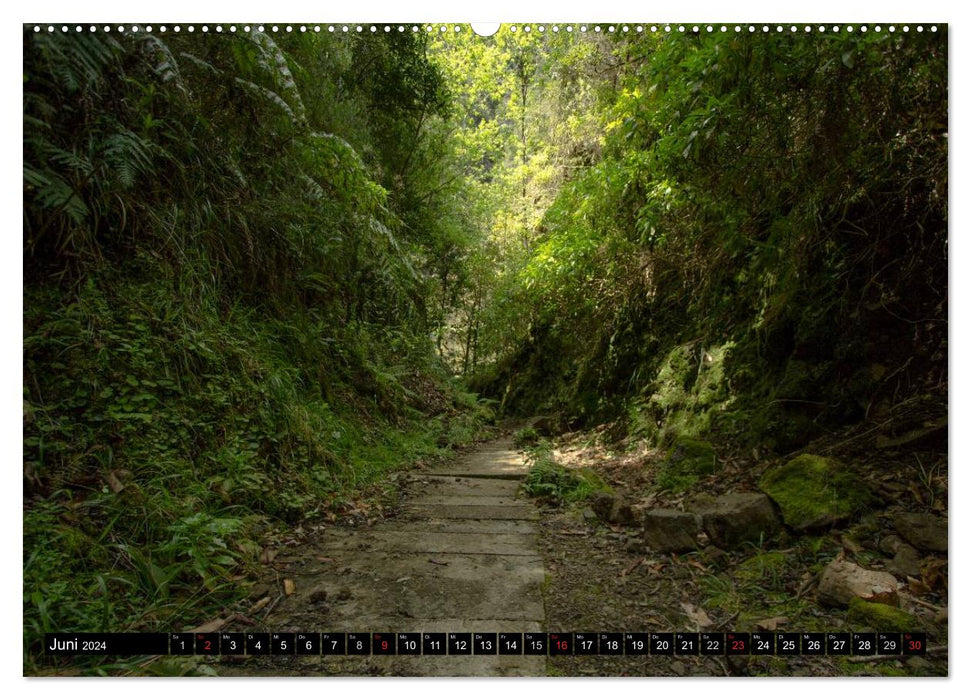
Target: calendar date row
x,y
491,643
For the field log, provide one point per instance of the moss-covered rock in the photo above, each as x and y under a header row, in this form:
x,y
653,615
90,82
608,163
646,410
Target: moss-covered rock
x,y
815,492
690,391
737,519
880,617
688,460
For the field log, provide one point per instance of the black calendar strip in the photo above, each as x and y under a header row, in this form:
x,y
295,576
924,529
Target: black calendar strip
x,y
488,643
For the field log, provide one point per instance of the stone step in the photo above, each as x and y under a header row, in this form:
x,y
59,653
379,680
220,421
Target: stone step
x,y
522,511
463,499
468,525
429,542
454,485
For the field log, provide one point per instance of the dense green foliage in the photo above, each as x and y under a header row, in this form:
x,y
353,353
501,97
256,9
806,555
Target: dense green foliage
x,y
226,299
758,243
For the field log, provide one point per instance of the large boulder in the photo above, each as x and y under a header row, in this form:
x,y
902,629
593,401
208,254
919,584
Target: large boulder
x,y
667,530
815,492
842,581
925,531
737,518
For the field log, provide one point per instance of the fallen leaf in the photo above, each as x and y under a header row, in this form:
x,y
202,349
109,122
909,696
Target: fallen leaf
x,y
267,555
258,605
211,626
771,624
243,619
289,587
932,573
917,587
325,559
114,482
403,579
633,566
915,490
696,615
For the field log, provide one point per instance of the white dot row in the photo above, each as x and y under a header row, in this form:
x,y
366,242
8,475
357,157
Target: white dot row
x,y
667,28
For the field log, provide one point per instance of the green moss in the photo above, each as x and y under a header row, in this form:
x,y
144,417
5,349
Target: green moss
x,y
689,393
880,617
686,448
762,568
688,460
778,665
815,492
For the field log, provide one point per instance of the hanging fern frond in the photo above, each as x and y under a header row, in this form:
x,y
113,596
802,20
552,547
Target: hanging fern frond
x,y
128,156
314,191
53,194
274,62
199,63
165,66
269,95
78,62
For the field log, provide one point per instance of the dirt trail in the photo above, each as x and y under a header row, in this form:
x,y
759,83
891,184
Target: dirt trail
x,y
462,556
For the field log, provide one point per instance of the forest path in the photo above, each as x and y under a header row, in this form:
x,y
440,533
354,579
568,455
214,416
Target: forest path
x,y
463,555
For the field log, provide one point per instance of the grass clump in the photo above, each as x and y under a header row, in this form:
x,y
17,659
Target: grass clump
x,y
764,569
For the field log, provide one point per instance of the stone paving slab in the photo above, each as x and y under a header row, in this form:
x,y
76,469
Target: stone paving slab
x,y
470,525
469,512
464,499
470,486
512,595
329,575
435,542
498,459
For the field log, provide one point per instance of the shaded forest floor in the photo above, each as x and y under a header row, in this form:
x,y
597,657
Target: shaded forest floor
x,y
602,576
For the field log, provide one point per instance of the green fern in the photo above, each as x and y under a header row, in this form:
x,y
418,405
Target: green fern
x,y
129,157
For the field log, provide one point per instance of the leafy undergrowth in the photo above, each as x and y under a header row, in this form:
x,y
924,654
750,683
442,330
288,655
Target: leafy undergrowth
x,y
167,443
553,483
